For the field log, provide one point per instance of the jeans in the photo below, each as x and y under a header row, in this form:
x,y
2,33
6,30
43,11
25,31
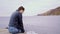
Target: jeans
x,y
13,30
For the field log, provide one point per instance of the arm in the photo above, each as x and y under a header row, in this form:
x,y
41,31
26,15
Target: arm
x,y
20,20
21,23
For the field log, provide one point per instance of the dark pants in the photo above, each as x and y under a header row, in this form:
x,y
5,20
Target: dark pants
x,y
14,30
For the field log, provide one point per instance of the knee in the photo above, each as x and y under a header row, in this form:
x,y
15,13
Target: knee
x,y
13,30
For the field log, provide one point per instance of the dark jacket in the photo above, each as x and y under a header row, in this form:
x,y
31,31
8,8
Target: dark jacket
x,y
16,21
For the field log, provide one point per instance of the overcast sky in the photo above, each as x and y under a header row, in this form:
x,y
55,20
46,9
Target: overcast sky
x,y
32,7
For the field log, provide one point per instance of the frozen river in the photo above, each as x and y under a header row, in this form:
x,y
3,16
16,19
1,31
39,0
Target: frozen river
x,y
39,24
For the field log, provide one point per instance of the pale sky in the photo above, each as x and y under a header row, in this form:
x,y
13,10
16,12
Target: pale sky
x,y
32,7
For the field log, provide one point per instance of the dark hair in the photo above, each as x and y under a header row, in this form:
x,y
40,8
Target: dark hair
x,y
21,8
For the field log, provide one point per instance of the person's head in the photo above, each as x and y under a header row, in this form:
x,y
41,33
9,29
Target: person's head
x,y
21,9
